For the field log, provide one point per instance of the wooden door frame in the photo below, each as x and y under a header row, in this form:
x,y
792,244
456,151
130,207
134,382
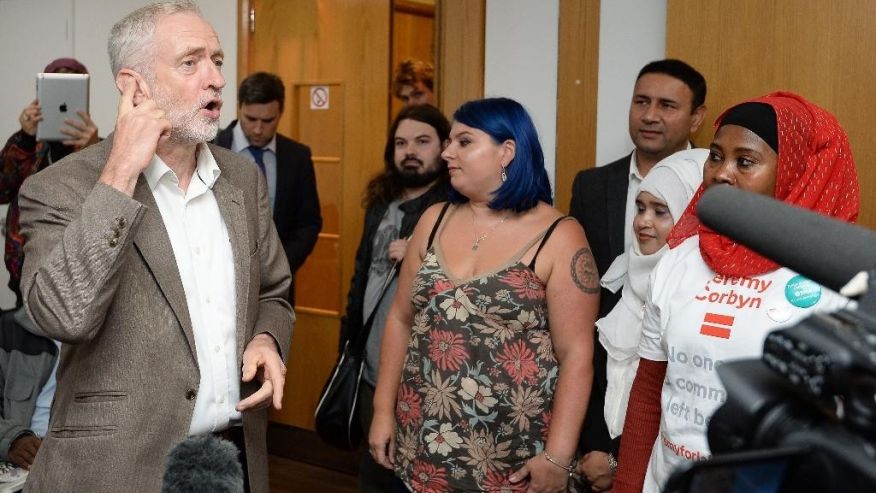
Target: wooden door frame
x,y
577,80
460,29
243,32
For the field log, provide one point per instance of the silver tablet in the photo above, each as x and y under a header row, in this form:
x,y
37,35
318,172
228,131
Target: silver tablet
x,y
60,96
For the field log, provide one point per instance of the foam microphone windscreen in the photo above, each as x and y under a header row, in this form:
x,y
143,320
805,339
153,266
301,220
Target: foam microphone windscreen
x,y
203,463
821,248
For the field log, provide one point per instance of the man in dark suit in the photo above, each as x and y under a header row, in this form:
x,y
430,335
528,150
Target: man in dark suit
x,y
668,105
286,164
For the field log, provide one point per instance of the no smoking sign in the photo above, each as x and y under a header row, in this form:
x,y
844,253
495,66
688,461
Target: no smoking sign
x,y
319,98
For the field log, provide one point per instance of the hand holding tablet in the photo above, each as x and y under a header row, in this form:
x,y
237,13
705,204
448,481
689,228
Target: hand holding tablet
x,y
60,97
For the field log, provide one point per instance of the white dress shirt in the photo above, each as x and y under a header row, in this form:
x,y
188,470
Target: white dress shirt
x,y
39,421
240,144
635,179
202,249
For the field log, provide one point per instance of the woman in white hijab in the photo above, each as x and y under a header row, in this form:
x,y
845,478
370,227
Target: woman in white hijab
x,y
663,195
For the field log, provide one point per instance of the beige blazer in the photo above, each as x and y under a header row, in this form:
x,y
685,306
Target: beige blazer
x,y
100,276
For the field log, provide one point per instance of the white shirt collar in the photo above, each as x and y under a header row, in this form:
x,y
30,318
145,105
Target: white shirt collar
x,y
634,169
206,169
239,141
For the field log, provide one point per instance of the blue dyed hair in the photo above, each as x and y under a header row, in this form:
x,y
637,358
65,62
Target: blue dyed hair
x,y
505,119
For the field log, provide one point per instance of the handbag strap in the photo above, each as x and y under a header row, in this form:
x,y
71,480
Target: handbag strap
x,y
357,346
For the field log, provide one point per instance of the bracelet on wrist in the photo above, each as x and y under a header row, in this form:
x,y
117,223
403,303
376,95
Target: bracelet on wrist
x,y
612,463
569,469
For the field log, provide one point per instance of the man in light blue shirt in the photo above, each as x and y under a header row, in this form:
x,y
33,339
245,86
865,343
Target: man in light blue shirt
x,y
27,373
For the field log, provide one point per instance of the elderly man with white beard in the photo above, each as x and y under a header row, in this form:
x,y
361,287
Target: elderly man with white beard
x,y
153,258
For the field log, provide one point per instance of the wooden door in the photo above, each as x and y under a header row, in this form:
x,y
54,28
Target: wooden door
x,y
342,47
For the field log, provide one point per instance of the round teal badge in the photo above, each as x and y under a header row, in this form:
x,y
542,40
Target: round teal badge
x,y
802,292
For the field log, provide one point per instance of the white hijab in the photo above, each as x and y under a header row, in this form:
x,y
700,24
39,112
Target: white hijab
x,y
674,181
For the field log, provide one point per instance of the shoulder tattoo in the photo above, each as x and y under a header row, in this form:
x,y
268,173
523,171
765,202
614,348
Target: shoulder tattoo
x,y
584,271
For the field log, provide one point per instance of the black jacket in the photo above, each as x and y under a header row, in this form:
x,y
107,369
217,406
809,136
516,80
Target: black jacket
x,y
352,322
296,205
599,201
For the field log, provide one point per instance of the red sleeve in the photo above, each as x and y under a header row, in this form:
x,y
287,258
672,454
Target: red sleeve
x,y
17,162
640,426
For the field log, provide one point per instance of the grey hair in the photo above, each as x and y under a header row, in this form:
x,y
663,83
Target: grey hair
x,y
130,40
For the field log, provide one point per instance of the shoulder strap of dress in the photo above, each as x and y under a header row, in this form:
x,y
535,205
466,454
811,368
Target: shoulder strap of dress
x,y
544,239
437,223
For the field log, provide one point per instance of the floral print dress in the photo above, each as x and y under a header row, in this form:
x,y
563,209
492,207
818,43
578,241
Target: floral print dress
x,y
476,391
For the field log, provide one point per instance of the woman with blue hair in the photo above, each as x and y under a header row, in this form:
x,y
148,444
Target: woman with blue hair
x,y
486,360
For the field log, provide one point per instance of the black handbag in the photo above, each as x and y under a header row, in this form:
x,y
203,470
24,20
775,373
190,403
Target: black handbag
x,y
337,413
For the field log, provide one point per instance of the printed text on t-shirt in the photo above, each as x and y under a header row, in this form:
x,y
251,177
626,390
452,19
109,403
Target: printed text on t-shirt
x,y
738,292
682,451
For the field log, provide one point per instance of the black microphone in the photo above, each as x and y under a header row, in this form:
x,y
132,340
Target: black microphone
x,y
828,251
203,463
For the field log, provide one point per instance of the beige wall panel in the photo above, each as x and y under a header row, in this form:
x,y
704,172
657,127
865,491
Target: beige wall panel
x,y
823,51
329,185
318,283
576,93
308,367
320,125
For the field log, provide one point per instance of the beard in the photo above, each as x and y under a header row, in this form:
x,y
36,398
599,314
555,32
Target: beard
x,y
416,177
188,125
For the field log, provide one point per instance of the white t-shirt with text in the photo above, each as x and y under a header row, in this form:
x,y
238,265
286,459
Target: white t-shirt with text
x,y
695,320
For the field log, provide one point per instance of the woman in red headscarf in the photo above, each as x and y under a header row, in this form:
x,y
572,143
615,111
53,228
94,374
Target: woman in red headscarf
x,y
712,299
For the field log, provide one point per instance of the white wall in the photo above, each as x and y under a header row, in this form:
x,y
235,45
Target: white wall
x,y
631,34
34,32
520,62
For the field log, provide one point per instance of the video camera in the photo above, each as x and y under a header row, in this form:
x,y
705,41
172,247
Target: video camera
x,y
803,417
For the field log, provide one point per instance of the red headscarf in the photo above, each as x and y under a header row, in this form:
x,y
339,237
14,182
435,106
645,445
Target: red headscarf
x,y
815,171
70,64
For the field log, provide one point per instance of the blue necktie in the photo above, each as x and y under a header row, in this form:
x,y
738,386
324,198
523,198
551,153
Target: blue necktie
x,y
258,154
